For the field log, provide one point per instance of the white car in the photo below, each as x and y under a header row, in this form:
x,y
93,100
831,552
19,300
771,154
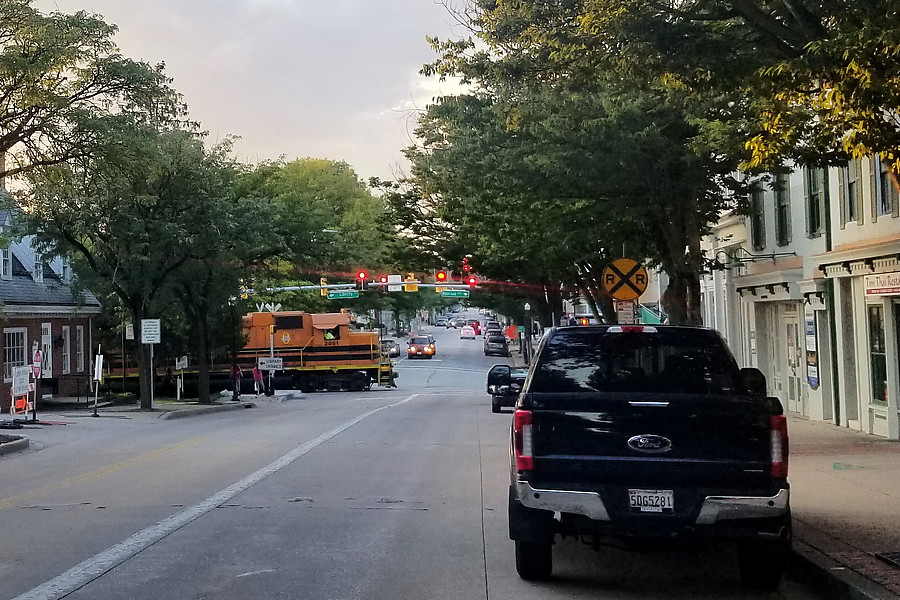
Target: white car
x,y
467,333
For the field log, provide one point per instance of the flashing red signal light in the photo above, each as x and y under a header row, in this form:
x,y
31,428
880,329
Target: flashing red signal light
x,y
471,280
441,276
383,279
362,275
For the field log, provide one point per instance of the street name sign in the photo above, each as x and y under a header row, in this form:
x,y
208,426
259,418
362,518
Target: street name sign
x,y
337,294
455,294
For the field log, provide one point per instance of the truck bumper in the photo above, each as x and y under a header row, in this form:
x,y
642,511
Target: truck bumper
x,y
713,509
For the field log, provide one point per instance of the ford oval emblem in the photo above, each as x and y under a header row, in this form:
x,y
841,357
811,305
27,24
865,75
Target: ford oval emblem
x,y
650,443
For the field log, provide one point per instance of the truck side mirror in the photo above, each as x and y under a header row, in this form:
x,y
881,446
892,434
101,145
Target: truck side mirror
x,y
753,381
498,375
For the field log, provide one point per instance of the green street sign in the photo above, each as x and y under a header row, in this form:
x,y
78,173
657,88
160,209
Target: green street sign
x,y
337,294
455,294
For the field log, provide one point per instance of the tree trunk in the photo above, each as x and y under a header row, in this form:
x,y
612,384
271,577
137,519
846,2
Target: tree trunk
x,y
203,361
143,359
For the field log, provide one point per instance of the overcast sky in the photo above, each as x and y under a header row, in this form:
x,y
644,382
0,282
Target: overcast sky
x,y
335,79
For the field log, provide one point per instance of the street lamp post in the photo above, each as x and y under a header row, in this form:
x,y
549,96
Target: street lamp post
x,y
525,342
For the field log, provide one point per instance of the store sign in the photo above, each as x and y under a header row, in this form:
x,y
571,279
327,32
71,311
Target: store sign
x,y
883,284
812,358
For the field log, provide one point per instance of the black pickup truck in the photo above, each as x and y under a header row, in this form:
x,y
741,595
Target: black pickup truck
x,y
648,437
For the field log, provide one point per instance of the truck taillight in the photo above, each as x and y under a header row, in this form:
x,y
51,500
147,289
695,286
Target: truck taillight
x,y
522,440
779,444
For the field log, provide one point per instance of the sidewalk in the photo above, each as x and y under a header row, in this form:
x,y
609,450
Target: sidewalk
x,y
845,498
845,501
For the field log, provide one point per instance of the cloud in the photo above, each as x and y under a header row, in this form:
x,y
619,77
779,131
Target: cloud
x,y
333,79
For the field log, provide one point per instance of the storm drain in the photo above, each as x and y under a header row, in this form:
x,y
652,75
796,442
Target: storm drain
x,y
891,558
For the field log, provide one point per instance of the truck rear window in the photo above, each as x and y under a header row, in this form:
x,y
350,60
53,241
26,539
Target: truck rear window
x,y
677,360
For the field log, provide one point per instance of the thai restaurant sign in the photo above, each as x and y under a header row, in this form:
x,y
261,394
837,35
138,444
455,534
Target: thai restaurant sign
x,y
883,284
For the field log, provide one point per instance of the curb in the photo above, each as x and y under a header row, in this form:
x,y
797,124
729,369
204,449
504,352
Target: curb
x,y
832,579
19,443
199,410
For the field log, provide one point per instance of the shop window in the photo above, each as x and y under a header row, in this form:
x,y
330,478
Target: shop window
x,y
877,357
782,210
15,340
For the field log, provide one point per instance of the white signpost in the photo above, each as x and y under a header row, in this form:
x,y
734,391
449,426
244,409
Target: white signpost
x,y
180,365
97,378
150,334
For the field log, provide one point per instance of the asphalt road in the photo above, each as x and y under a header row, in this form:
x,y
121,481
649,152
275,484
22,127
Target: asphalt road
x,y
388,494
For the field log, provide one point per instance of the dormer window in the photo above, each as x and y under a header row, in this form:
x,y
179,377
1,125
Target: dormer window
x,y
5,264
38,272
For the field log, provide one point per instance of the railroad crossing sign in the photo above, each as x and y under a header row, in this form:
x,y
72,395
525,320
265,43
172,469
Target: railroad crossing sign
x,y
624,279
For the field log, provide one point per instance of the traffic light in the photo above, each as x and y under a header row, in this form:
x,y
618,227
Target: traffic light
x,y
411,287
471,280
465,265
323,282
361,277
383,279
441,276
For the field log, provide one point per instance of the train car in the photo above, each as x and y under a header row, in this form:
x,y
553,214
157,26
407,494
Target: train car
x,y
318,351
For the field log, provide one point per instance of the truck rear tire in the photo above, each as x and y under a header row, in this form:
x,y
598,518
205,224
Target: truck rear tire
x,y
762,564
534,560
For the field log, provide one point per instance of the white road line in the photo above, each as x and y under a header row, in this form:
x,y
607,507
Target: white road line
x,y
99,564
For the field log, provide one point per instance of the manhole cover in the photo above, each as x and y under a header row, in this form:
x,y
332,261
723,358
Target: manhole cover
x,y
892,558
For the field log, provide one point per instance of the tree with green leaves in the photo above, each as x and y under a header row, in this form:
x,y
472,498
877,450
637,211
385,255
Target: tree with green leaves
x,y
61,79
817,81
133,212
572,175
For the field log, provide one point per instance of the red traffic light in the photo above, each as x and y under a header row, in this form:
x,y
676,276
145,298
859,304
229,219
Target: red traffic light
x,y
441,276
383,279
362,275
471,280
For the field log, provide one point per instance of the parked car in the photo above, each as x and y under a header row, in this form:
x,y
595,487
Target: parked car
x,y
390,347
474,324
496,345
653,437
467,333
420,346
504,384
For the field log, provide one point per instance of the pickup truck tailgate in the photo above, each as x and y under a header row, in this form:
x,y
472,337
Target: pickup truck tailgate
x,y
713,442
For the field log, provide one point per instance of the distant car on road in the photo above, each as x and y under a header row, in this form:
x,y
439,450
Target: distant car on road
x,y
441,321
467,333
390,347
420,346
496,345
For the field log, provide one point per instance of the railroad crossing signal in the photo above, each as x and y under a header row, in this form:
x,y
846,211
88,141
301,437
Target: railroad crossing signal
x,y
624,279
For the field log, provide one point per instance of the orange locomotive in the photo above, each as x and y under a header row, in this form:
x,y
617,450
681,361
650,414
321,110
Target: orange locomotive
x,y
318,351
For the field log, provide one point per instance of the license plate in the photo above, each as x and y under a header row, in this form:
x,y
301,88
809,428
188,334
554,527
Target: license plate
x,y
651,500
